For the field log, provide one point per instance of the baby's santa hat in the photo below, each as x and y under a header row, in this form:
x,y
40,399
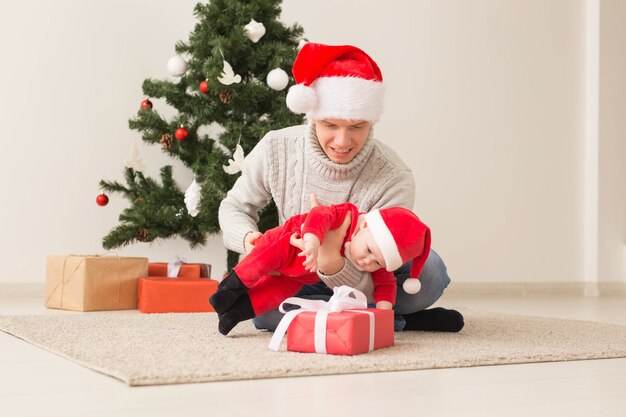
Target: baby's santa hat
x,y
401,237
336,82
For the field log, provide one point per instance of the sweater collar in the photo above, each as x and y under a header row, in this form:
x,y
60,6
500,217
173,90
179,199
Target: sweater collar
x,y
319,161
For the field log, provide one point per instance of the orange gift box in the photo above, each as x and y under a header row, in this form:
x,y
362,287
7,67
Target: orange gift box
x,y
175,295
347,332
159,269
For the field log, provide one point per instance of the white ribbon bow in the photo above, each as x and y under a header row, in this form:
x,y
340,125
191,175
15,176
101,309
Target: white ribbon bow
x,y
173,268
341,300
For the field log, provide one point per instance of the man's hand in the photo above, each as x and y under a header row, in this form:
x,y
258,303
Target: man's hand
x,y
250,239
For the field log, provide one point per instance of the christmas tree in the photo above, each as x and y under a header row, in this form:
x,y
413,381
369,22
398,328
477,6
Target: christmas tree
x,y
231,76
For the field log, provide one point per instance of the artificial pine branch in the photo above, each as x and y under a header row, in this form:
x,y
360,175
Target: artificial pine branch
x,y
245,112
150,124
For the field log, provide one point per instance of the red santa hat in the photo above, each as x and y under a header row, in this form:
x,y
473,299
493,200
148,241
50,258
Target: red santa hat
x,y
336,82
401,236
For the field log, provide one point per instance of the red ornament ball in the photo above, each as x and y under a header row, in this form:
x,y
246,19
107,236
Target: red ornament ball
x,y
181,133
204,87
146,104
102,200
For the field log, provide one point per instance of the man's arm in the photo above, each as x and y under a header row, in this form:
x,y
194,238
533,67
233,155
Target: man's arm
x,y
329,252
332,268
316,225
239,210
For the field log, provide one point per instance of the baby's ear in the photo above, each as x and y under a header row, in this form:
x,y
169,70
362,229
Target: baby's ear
x,y
363,225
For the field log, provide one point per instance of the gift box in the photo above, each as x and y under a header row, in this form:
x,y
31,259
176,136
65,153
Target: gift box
x,y
90,283
343,325
347,332
175,295
160,269
187,292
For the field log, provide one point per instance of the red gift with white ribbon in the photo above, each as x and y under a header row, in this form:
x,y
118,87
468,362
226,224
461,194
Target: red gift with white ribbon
x,y
342,325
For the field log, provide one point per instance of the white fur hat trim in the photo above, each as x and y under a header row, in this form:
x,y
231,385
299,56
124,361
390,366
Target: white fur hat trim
x,y
346,98
384,239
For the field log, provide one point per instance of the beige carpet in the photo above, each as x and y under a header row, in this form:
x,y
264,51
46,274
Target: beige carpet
x,y
181,348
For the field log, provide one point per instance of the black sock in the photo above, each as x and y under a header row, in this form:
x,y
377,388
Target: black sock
x,y
240,311
231,282
222,300
435,320
228,291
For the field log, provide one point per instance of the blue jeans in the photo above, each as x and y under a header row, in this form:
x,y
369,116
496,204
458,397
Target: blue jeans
x,y
434,279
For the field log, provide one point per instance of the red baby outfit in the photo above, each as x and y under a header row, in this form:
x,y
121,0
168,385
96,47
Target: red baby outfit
x,y
273,252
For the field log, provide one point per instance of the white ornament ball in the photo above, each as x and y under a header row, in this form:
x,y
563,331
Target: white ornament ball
x,y
177,66
277,79
412,286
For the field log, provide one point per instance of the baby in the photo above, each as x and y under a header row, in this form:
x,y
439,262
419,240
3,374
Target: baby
x,y
378,242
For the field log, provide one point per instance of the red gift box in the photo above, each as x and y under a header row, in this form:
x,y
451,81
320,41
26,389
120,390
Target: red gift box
x,y
347,332
175,295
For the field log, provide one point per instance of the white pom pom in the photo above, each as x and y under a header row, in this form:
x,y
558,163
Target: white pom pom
x,y
301,99
412,286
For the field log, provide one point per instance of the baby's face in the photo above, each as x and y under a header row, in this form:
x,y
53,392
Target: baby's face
x,y
363,251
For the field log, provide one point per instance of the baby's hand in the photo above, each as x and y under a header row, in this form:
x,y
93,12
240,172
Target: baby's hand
x,y
310,246
384,305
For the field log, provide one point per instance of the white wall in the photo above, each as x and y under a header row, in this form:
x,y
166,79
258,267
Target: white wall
x,y
71,78
486,100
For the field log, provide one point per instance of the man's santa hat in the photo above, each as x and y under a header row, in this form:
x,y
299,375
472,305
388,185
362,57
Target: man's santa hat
x,y
336,82
401,237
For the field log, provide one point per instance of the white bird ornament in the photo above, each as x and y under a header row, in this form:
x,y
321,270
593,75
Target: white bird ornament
x,y
133,160
228,76
235,165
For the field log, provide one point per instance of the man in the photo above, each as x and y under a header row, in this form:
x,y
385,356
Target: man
x,y
335,157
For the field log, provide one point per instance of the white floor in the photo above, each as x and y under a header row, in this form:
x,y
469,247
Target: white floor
x,y
34,382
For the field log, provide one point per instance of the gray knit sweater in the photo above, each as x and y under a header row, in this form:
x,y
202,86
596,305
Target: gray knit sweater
x,y
289,164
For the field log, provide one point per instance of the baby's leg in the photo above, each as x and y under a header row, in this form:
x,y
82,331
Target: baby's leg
x,y
271,252
271,290
266,295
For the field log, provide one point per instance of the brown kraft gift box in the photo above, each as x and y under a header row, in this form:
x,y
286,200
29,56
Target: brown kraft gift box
x,y
91,283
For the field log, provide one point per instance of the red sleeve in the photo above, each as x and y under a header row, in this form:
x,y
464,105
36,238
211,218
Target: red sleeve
x,y
321,219
385,286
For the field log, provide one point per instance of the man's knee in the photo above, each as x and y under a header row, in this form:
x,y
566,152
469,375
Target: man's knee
x,y
434,279
268,321
435,271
